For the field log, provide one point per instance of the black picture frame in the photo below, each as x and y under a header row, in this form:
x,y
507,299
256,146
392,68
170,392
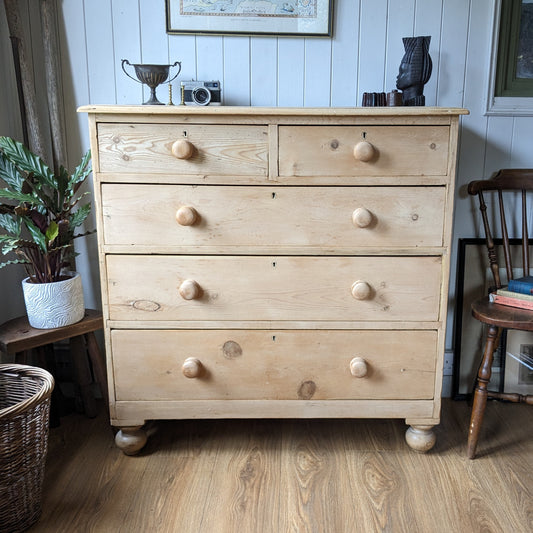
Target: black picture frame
x,y
473,280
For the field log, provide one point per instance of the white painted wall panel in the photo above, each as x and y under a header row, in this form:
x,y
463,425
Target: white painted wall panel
x,y
372,47
126,45
344,54
401,24
291,71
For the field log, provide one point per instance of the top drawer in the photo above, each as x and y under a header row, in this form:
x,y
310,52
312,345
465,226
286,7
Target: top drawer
x,y
363,151
210,149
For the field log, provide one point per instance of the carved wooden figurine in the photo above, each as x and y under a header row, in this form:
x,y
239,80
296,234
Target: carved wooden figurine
x,y
415,70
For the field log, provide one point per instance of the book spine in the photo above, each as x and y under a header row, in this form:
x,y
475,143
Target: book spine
x,y
522,287
511,302
511,294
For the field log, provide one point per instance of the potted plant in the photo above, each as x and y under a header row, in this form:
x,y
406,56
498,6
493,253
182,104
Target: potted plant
x,y
39,219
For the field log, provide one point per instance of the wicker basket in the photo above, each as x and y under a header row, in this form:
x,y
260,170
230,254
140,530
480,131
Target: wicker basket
x,y
24,413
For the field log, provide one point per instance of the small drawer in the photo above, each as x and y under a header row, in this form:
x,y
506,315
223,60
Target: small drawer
x,y
244,288
363,151
279,365
183,149
256,218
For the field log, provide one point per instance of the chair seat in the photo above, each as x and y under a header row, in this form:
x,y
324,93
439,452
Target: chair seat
x,y
502,316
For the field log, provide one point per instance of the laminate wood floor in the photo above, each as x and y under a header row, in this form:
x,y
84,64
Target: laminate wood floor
x,y
278,476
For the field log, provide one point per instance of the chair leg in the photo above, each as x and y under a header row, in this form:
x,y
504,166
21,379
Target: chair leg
x,y
480,394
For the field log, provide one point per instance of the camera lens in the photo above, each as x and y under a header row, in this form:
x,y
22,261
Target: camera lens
x,y
201,96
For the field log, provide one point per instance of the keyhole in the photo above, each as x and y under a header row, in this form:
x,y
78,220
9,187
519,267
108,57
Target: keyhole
x,y
274,264
185,134
364,134
273,195
274,338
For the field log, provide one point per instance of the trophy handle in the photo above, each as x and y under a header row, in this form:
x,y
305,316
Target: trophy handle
x,y
177,73
129,76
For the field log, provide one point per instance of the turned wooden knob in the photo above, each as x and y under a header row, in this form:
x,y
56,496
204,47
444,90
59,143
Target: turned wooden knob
x,y
362,217
192,367
364,151
189,289
183,149
186,215
358,367
361,290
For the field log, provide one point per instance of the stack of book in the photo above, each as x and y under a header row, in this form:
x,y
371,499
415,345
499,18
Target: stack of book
x,y
519,293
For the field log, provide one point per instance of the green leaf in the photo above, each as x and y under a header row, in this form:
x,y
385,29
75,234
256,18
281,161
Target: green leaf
x,y
52,232
79,216
10,223
82,171
10,174
38,237
14,262
20,197
26,161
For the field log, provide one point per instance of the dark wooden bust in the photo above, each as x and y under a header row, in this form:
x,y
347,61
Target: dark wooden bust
x,y
415,70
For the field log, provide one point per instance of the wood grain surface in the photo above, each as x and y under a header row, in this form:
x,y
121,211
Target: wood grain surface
x,y
280,476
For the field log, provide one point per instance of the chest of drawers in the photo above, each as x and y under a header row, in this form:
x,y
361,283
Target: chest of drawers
x,y
272,262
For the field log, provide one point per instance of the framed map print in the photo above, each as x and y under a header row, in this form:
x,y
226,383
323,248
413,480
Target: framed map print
x,y
250,17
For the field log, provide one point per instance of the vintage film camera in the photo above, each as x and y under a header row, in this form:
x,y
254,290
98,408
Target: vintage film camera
x,y
201,92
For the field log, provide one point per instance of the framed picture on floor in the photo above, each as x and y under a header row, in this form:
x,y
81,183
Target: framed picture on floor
x,y
519,362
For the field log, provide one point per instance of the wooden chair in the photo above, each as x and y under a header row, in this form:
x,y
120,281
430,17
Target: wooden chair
x,y
509,188
18,338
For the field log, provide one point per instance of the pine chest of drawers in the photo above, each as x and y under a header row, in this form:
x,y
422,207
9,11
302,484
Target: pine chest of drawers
x,y
272,262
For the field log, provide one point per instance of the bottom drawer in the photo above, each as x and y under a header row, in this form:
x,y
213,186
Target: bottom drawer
x,y
274,365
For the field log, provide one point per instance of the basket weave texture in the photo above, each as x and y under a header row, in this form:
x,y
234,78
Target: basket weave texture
x,y
25,393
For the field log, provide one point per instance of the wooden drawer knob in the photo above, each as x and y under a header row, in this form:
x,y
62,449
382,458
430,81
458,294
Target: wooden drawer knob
x,y
183,149
186,215
361,290
192,367
358,367
362,217
364,151
189,289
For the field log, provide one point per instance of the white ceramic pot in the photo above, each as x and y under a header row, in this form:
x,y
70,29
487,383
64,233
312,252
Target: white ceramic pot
x,y
53,305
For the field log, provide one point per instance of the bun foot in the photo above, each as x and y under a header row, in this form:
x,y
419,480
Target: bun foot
x,y
131,439
420,438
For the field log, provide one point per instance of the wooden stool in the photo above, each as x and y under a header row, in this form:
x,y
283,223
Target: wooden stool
x,y
18,338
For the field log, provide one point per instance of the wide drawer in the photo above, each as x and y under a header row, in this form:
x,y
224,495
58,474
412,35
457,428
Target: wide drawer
x,y
215,149
287,364
391,150
258,217
244,288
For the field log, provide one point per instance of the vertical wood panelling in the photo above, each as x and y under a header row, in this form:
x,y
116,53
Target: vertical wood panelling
x,y
522,142
451,73
291,55
372,41
182,48
100,53
498,143
126,45
210,57
154,40
317,80
237,70
344,54
401,22
263,71
428,20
